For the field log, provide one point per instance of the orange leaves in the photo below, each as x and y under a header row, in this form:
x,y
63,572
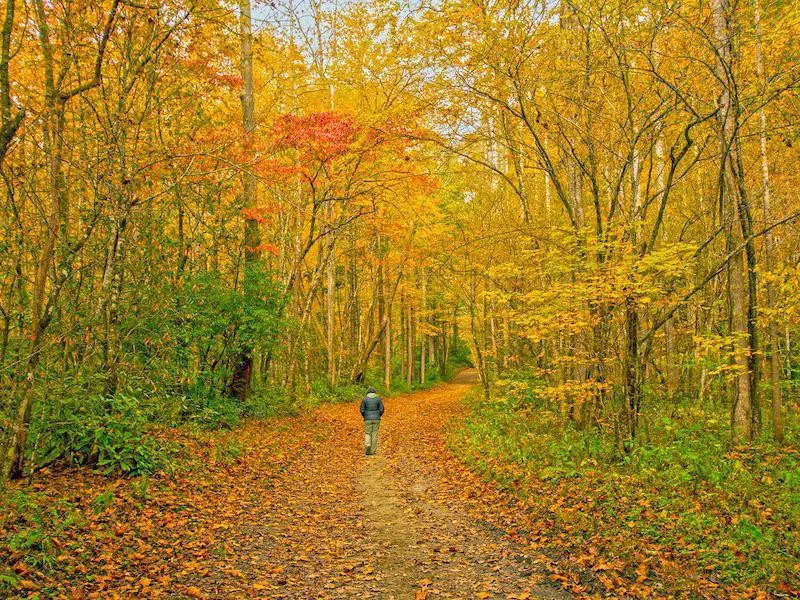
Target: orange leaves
x,y
424,184
206,70
603,565
259,214
578,392
121,528
336,152
234,82
642,572
274,170
318,136
301,514
268,248
28,585
262,215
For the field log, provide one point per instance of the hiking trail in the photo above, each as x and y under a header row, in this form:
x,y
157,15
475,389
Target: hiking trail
x,y
338,524
292,508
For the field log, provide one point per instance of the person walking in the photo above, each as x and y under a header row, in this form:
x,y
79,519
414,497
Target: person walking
x,y
372,411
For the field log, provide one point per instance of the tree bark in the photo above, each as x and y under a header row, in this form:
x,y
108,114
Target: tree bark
x,y
633,394
410,344
769,245
330,300
480,360
744,413
8,125
242,376
387,357
423,336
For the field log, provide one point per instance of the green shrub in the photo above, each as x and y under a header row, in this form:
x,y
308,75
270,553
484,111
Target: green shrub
x,y
320,394
229,450
108,433
211,410
269,403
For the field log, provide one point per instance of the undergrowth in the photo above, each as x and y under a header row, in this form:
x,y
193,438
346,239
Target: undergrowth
x,y
119,434
731,514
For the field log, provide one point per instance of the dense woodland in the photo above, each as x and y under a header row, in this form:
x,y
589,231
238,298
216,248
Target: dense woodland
x,y
211,209
601,195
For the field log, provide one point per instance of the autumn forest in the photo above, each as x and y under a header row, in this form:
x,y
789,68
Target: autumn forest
x,y
559,238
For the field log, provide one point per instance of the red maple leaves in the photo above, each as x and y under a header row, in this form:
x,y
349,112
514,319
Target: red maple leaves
x,y
318,136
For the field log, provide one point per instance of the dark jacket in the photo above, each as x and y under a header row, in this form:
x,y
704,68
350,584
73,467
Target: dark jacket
x,y
372,407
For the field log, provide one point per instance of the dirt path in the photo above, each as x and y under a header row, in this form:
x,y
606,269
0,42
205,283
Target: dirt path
x,y
427,537
338,524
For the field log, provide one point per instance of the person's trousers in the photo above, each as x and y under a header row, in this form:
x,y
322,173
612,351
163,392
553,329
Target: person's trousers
x,y
371,436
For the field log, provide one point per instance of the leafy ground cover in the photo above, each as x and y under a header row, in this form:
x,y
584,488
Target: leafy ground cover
x,y
683,507
290,508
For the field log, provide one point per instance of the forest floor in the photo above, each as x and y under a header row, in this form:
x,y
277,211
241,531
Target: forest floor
x,y
289,508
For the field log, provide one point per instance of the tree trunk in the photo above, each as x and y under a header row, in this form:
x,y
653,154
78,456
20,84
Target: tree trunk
x,y
671,372
769,246
112,289
423,336
13,455
632,370
8,124
493,333
330,299
410,345
402,338
445,350
744,414
241,379
355,310
742,411
387,356
480,360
